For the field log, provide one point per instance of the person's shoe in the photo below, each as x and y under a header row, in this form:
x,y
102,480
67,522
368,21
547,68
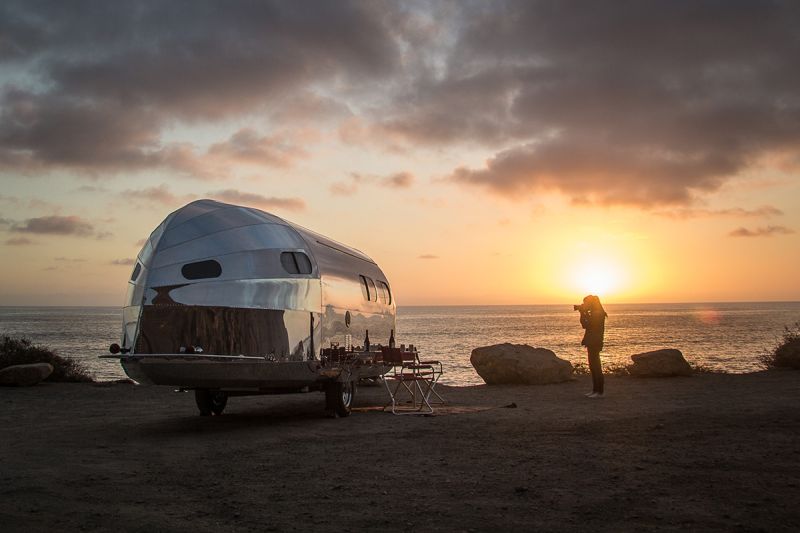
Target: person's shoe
x,y
597,395
591,395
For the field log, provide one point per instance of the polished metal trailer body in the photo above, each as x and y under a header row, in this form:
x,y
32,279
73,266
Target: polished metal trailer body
x,y
224,297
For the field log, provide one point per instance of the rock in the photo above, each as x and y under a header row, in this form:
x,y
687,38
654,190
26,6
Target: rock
x,y
25,375
519,364
660,363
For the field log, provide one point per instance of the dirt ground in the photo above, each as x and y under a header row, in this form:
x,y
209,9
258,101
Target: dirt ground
x,y
711,452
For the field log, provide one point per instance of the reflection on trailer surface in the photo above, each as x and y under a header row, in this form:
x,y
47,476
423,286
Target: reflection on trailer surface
x,y
230,300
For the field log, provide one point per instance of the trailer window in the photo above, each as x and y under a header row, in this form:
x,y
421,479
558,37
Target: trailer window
x,y
201,270
296,262
384,293
364,287
136,270
373,292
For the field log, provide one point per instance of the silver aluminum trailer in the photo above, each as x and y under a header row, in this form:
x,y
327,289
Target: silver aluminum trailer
x,y
229,300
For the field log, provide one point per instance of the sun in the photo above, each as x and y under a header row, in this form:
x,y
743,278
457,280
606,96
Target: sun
x,y
600,277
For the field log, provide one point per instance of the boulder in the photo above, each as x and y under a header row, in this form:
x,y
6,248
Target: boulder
x,y
660,363
25,375
519,364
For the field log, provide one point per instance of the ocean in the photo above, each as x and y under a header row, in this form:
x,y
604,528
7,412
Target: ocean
x,y
721,336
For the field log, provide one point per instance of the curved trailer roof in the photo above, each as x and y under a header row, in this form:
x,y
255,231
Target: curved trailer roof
x,y
207,229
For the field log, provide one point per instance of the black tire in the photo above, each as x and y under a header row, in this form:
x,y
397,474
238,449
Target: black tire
x,y
210,401
339,398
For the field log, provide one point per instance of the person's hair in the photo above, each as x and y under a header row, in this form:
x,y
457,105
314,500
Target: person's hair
x,y
593,302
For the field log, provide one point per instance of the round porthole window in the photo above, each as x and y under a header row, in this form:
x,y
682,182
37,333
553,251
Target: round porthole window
x,y
347,319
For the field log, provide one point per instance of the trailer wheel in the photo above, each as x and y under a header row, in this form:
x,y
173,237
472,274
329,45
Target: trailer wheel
x,y
210,401
339,397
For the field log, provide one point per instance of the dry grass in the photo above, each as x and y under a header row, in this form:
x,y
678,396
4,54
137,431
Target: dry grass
x,y
22,352
620,369
609,369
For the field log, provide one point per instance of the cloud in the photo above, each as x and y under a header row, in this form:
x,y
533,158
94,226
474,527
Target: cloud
x,y
140,243
766,211
56,225
598,172
256,200
399,180
247,146
89,189
767,231
69,259
342,188
428,256
19,241
159,194
102,84
651,104
646,104
31,203
128,261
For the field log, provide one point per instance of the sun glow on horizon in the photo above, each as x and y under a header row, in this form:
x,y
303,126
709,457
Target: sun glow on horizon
x,y
602,277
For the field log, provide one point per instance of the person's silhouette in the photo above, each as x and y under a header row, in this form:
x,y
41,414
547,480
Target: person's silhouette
x,y
593,320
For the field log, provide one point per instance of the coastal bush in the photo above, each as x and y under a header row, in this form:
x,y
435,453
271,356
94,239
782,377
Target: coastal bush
x,y
609,369
22,352
700,368
786,353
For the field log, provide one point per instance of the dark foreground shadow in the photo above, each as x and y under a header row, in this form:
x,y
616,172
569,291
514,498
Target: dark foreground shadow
x,y
295,413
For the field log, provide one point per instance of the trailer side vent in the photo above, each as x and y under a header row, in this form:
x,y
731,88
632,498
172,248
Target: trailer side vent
x,y
201,270
296,262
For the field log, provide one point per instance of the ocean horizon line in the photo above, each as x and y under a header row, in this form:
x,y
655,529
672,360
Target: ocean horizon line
x,y
612,303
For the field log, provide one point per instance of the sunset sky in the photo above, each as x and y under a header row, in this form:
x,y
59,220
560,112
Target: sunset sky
x,y
481,152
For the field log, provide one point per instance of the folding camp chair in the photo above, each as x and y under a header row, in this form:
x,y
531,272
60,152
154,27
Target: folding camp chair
x,y
411,382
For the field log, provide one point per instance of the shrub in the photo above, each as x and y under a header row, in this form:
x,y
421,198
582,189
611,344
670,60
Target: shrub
x,y
700,368
786,353
609,369
22,352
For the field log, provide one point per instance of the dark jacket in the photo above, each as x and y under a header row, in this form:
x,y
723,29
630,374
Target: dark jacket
x,y
595,326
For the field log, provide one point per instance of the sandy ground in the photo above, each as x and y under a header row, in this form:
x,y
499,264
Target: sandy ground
x,y
711,452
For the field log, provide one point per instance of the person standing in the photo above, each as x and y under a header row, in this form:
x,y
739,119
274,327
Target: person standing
x,y
593,320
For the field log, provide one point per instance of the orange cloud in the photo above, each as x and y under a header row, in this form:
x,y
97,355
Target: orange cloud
x,y
761,232
256,200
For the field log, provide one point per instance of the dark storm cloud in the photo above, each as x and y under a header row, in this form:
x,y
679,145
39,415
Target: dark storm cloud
x,y
630,102
761,232
56,225
646,103
40,131
112,76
